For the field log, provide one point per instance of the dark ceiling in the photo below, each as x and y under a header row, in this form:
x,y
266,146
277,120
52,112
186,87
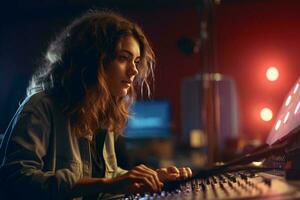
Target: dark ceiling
x,y
13,11
39,8
67,5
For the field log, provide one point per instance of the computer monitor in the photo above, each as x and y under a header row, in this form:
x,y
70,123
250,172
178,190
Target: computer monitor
x,y
288,118
150,119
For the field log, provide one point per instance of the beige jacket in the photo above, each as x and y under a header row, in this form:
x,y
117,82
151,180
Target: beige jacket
x,y
40,157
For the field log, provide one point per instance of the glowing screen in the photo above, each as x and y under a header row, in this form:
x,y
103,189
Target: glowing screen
x,y
288,118
150,119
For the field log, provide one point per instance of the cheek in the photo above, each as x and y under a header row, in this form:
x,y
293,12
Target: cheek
x,y
116,69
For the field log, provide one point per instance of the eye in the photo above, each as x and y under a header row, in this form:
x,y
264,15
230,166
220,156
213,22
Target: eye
x,y
123,57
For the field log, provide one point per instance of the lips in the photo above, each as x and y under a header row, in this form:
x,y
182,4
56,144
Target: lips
x,y
127,83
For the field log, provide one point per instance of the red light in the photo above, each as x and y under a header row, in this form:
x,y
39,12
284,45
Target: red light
x,y
272,73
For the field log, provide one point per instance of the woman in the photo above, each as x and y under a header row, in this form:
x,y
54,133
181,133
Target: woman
x,y
60,143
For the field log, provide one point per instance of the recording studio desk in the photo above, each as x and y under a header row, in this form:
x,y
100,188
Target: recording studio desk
x,y
235,185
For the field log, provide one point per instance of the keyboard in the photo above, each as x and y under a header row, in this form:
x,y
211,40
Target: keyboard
x,y
233,185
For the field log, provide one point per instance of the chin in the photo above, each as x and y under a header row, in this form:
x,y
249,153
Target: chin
x,y
122,93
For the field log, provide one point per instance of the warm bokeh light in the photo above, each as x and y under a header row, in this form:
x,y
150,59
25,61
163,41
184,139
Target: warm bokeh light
x,y
272,73
266,114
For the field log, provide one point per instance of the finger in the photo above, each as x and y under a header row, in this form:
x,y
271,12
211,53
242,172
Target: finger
x,y
164,176
162,170
189,171
183,173
151,171
144,180
173,169
172,177
153,174
162,173
128,183
174,173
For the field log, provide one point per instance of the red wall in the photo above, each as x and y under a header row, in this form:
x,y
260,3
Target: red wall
x,y
164,28
249,37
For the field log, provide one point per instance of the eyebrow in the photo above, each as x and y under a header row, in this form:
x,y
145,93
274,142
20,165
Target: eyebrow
x,y
129,52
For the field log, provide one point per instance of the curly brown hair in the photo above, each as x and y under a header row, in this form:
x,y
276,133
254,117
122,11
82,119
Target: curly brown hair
x,y
74,68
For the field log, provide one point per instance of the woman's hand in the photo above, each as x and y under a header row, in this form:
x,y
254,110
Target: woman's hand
x,y
138,180
173,173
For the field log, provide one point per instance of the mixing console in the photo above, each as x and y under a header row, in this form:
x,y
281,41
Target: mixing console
x,y
235,185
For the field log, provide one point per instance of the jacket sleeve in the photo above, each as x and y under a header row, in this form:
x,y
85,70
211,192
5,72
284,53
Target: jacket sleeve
x,y
22,168
121,171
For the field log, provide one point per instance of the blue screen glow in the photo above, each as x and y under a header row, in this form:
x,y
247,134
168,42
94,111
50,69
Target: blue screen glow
x,y
150,119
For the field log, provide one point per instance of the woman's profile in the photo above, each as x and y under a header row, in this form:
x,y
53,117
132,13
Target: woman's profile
x,y
60,143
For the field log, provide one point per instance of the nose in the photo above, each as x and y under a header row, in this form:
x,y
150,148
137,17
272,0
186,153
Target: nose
x,y
132,69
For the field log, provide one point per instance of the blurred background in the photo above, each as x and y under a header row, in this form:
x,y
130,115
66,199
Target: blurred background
x,y
224,68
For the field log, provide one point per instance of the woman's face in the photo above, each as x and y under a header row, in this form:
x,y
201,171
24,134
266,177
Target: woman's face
x,y
121,72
